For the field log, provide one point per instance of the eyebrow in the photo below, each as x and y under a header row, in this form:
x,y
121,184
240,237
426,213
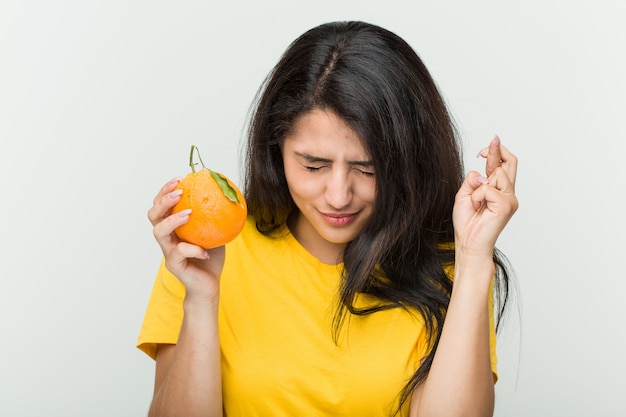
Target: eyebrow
x,y
313,159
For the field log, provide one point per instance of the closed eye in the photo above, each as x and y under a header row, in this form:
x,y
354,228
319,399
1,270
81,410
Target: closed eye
x,y
366,173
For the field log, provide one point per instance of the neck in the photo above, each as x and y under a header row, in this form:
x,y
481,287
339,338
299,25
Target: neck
x,y
327,252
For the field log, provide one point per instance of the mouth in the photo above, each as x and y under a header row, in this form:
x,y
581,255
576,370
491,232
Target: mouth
x,y
339,219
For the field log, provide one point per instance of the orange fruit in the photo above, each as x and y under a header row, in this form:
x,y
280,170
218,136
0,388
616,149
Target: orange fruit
x,y
218,208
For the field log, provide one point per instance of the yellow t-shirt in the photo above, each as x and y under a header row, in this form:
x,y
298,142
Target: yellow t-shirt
x,y
275,320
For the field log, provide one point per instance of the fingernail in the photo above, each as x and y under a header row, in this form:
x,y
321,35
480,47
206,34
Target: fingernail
x,y
174,180
175,194
482,180
184,213
482,151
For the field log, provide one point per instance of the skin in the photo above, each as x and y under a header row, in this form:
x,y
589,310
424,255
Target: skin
x,y
332,182
333,186
460,378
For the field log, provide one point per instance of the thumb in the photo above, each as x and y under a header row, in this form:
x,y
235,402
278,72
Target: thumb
x,y
473,181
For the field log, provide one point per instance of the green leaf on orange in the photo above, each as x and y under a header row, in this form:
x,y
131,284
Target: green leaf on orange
x,y
228,191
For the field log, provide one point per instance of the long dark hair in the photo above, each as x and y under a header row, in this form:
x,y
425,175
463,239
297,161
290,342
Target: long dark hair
x,y
375,81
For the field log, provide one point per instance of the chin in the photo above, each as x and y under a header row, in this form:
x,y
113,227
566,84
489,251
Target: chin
x,y
339,238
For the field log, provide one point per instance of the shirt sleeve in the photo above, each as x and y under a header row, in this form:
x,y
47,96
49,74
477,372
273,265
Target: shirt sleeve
x,y
164,314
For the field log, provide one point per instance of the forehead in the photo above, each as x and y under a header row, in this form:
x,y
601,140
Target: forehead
x,y
324,131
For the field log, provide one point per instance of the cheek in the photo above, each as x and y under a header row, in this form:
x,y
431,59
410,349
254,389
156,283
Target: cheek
x,y
367,191
302,188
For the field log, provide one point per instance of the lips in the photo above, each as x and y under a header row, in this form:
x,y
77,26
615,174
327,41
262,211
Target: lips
x,y
339,219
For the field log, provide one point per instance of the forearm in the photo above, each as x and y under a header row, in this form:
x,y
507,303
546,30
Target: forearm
x,y
192,385
460,381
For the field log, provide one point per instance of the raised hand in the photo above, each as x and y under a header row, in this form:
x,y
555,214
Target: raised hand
x,y
485,204
198,269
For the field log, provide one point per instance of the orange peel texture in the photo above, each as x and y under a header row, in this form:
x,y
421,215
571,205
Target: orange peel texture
x,y
218,209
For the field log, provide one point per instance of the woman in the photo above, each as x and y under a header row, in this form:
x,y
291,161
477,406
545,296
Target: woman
x,y
332,300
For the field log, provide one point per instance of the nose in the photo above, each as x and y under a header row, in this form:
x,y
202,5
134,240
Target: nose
x,y
339,190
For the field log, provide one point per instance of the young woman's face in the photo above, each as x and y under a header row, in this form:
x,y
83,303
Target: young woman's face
x,y
331,180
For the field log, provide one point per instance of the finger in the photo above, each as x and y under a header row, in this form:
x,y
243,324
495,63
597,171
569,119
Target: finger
x,y
164,230
495,201
472,181
500,180
478,197
509,163
494,156
167,187
163,205
187,260
186,251
478,184
485,195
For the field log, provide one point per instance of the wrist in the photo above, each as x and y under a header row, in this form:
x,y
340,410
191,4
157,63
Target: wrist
x,y
474,267
200,303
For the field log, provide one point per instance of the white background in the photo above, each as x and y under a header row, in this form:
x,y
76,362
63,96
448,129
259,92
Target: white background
x,y
101,100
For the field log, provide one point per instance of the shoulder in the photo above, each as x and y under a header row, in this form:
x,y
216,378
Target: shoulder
x,y
252,239
253,247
